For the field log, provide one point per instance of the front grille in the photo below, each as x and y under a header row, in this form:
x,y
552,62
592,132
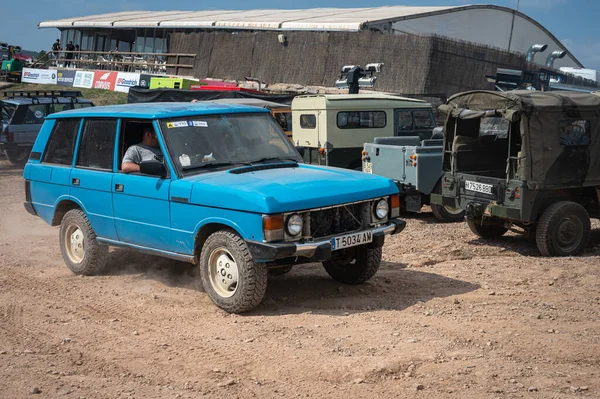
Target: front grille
x,y
338,220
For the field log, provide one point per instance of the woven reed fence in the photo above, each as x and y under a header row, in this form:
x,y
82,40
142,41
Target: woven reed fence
x,y
414,65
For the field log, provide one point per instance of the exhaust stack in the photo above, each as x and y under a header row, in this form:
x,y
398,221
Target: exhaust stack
x,y
554,55
536,48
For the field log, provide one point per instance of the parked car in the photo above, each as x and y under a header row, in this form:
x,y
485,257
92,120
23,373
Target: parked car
x,y
330,129
23,113
526,161
416,167
229,192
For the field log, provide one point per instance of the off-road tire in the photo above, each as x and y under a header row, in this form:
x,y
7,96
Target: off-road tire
x,y
486,231
17,157
365,263
252,282
95,254
442,214
280,271
553,220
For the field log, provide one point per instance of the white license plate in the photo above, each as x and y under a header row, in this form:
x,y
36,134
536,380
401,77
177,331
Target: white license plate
x,y
478,187
351,240
368,167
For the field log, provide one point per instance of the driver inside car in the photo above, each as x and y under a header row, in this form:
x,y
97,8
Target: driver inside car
x,y
147,150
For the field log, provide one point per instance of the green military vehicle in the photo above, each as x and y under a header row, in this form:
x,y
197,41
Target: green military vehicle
x,y
524,161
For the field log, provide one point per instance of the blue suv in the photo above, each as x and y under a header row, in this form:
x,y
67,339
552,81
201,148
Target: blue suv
x,y
224,189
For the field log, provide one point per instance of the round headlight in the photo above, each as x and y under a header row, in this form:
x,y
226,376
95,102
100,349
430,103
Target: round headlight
x,y
381,209
294,225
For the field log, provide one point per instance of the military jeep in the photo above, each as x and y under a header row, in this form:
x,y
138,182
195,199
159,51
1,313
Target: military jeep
x,y
524,161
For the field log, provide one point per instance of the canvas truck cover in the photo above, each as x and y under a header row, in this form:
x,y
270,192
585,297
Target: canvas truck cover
x,y
560,132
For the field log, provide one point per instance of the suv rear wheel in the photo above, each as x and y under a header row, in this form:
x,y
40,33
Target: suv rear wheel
x,y
357,266
486,230
80,249
563,229
230,277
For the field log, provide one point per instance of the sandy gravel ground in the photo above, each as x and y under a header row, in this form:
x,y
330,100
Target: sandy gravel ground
x,y
447,316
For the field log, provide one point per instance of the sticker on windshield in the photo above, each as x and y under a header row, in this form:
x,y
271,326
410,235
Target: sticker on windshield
x,y
38,114
171,125
200,123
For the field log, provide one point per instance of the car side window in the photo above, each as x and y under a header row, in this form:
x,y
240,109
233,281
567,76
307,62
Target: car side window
x,y
97,144
35,114
59,108
423,119
61,144
405,121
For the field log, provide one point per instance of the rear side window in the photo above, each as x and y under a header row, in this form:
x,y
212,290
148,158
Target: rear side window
x,y
308,121
35,114
361,119
575,132
7,110
81,105
423,119
62,142
59,108
97,144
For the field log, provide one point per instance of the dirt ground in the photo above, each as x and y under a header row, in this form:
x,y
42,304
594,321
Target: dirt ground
x,y
447,316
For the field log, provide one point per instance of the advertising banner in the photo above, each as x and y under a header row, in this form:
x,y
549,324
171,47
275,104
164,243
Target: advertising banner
x,y
104,80
39,76
83,79
66,78
125,80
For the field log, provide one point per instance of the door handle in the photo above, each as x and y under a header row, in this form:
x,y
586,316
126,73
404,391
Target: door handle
x,y
75,181
119,187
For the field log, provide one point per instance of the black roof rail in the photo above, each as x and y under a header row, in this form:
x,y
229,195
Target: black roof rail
x,y
42,93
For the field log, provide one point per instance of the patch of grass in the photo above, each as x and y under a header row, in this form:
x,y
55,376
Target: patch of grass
x,y
97,96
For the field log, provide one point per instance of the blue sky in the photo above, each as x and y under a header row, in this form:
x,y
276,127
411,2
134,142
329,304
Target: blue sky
x,y
573,22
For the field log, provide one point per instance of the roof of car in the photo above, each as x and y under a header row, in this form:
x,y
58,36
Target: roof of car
x,y
44,100
156,110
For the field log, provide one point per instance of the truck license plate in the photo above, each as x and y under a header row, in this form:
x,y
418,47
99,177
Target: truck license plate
x,y
478,187
368,167
351,240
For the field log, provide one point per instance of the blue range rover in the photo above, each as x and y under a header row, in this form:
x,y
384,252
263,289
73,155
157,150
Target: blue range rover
x,y
225,189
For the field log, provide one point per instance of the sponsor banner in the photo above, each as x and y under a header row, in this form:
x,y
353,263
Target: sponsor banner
x,y
104,80
39,76
125,80
145,80
66,78
83,79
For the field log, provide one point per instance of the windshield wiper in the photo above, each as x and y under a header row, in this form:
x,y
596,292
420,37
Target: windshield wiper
x,y
273,159
214,165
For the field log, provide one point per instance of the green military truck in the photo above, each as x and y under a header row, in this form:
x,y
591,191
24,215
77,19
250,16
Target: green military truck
x,y
524,161
330,129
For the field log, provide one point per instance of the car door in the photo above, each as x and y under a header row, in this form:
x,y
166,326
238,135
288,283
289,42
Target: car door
x,y
141,202
91,178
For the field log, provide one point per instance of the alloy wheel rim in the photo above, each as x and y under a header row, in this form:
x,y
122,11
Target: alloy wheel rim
x,y
223,272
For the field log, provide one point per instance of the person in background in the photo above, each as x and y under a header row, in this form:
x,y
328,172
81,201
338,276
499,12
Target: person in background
x,y
55,49
70,48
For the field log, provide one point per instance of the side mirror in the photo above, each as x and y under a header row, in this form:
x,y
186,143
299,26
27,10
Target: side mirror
x,y
301,150
154,168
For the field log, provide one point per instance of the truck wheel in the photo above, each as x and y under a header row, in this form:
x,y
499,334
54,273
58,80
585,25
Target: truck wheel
x,y
484,230
80,249
280,271
231,278
358,266
17,156
563,229
447,214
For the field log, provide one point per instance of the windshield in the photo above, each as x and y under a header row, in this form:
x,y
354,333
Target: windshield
x,y
7,110
226,140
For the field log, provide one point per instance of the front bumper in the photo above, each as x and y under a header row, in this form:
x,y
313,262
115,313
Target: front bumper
x,y
317,251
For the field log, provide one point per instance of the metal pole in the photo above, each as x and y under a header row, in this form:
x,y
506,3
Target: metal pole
x,y
512,25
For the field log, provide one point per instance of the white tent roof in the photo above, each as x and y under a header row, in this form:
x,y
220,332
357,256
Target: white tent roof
x,y
348,19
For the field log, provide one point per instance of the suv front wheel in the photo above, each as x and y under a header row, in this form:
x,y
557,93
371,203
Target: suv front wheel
x,y
80,249
356,266
563,229
230,277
